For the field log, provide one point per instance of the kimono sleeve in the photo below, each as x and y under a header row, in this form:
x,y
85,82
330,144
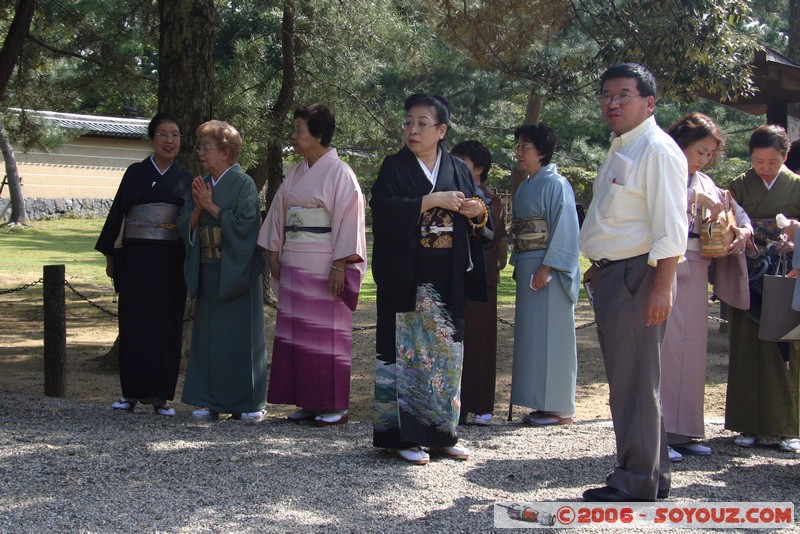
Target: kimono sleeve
x,y
347,218
240,223
272,232
191,262
116,215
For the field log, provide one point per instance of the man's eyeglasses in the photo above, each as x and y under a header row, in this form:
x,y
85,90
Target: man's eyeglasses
x,y
164,136
623,99
420,125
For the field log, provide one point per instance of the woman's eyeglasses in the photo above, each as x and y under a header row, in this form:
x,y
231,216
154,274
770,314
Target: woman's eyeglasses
x,y
420,125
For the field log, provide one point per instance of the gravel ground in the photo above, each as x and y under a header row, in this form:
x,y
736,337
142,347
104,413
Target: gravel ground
x,y
73,466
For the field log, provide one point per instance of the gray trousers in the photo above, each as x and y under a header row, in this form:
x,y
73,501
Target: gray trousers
x,y
631,354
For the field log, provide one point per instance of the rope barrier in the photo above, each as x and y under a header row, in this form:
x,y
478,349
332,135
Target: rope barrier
x,y
274,306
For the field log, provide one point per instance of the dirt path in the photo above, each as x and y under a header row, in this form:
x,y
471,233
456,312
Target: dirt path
x,y
90,333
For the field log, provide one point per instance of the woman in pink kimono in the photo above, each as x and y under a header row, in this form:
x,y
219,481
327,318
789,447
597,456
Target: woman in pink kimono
x,y
314,235
683,355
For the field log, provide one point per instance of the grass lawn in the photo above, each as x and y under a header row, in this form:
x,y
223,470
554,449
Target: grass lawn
x,y
23,253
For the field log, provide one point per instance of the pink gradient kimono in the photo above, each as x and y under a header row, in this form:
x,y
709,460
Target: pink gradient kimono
x,y
316,217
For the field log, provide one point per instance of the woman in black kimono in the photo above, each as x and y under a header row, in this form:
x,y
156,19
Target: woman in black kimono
x,y
429,226
144,256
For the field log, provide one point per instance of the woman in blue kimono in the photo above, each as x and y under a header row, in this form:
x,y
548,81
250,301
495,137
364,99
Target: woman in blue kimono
x,y
227,371
429,226
146,265
545,260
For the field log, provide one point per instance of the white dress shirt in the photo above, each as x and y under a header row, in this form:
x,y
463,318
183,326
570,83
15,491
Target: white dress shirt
x,y
639,199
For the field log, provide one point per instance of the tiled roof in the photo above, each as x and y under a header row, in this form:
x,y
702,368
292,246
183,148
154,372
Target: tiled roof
x,y
92,124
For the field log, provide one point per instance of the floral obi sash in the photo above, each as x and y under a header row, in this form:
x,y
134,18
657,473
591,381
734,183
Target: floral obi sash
x,y
210,242
308,225
436,229
529,234
152,221
765,231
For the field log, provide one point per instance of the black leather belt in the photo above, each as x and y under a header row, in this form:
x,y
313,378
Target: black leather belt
x,y
603,262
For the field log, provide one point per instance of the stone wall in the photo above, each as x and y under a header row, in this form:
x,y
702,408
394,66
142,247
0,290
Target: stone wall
x,y
37,209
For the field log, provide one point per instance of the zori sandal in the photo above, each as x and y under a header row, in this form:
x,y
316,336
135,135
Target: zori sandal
x,y
124,405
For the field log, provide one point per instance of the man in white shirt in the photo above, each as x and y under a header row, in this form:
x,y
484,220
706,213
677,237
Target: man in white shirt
x,y
635,234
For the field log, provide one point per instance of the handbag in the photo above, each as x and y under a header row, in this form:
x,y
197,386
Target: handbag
x,y
716,236
779,322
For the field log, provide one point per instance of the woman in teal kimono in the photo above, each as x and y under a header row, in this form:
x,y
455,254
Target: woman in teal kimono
x,y
545,260
227,370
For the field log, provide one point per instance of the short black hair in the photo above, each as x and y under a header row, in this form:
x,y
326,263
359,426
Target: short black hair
x,y
770,136
438,103
156,121
793,157
477,153
320,120
645,81
542,136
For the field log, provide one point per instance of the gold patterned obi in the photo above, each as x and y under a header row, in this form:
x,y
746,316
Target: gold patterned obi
x,y
436,229
152,221
529,234
308,225
210,242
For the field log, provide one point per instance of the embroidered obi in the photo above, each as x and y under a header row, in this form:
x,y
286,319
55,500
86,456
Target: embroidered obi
x,y
210,242
436,229
307,225
529,234
152,221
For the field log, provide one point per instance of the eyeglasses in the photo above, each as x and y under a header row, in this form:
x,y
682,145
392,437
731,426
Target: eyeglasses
x,y
523,147
623,99
204,148
420,125
171,136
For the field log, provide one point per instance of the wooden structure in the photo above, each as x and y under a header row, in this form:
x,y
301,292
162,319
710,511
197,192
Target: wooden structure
x,y
777,81
90,164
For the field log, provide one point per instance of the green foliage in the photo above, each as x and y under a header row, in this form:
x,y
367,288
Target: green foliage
x,y
581,180
90,56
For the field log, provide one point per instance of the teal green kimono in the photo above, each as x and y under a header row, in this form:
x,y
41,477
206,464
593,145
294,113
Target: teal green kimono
x,y
227,370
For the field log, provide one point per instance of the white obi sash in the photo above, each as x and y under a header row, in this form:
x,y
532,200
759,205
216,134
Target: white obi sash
x,y
308,225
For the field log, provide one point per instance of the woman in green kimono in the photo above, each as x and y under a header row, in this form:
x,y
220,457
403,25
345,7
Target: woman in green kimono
x,y
227,371
763,377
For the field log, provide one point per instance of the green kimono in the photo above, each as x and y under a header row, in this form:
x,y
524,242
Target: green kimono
x,y
227,370
762,397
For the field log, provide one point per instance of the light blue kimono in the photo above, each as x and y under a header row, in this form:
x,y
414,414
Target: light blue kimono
x,y
545,354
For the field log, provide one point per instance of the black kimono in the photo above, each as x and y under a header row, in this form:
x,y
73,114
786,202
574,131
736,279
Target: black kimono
x,y
148,275
424,265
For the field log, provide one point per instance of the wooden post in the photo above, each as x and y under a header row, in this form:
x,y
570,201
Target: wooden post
x,y
55,332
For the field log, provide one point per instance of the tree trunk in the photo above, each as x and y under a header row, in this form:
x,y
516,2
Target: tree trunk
x,y
12,46
272,167
533,111
186,68
14,182
794,29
